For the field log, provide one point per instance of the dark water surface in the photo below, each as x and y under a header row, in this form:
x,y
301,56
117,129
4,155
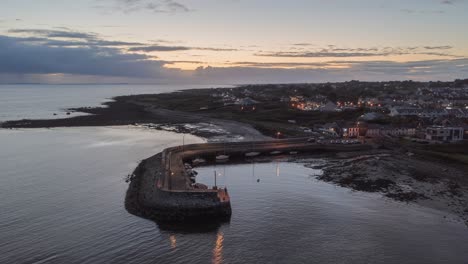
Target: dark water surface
x,y
62,201
42,101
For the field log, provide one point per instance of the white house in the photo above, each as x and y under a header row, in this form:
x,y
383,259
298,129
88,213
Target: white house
x,y
440,133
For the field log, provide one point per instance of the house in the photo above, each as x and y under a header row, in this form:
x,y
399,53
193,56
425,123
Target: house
x,y
351,132
426,113
457,112
400,111
382,131
329,107
441,133
332,128
358,130
375,131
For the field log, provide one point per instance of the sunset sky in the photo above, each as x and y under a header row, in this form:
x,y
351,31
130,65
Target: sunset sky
x,y
232,41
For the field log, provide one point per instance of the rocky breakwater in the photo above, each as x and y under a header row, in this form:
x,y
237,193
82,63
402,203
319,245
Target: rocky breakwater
x,y
160,190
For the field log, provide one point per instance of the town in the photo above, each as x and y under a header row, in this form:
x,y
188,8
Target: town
x,y
433,112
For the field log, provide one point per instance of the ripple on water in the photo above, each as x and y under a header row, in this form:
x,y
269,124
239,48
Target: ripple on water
x,y
64,203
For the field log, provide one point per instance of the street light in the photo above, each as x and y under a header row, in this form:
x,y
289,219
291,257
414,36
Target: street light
x,y
183,142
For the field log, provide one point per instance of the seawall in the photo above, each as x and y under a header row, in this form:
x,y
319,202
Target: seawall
x,y
161,188
146,199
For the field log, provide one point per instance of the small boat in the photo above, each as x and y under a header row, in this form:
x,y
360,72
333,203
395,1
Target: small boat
x,y
198,161
275,152
293,152
252,154
222,158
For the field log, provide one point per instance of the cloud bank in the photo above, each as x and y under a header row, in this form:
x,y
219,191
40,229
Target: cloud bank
x,y
18,57
63,55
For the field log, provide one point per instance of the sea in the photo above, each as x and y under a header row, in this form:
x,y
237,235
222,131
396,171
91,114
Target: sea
x,y
62,194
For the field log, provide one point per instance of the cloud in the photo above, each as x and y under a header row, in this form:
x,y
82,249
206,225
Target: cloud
x,y
73,38
153,48
438,47
282,64
54,33
161,48
84,56
185,61
317,54
18,57
65,37
448,2
335,52
414,11
302,44
157,6
437,11
366,71
23,61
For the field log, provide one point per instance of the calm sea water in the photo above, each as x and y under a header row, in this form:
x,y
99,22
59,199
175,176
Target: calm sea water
x,y
62,197
62,201
42,101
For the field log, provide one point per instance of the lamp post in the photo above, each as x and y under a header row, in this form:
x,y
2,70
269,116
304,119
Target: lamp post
x,y
278,134
215,183
183,142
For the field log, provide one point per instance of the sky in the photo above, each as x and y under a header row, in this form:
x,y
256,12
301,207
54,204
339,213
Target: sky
x,y
232,41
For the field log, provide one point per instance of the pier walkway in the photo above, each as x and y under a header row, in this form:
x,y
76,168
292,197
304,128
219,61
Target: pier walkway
x,y
177,179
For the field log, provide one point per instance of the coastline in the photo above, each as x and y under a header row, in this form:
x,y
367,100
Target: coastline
x,y
420,178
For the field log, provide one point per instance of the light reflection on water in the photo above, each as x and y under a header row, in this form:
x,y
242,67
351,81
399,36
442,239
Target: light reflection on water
x,y
218,249
282,214
62,193
173,240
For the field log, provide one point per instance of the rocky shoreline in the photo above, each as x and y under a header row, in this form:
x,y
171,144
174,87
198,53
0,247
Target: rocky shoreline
x,y
412,179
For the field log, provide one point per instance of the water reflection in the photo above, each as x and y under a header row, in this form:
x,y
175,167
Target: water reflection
x,y
277,169
193,227
218,249
173,240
